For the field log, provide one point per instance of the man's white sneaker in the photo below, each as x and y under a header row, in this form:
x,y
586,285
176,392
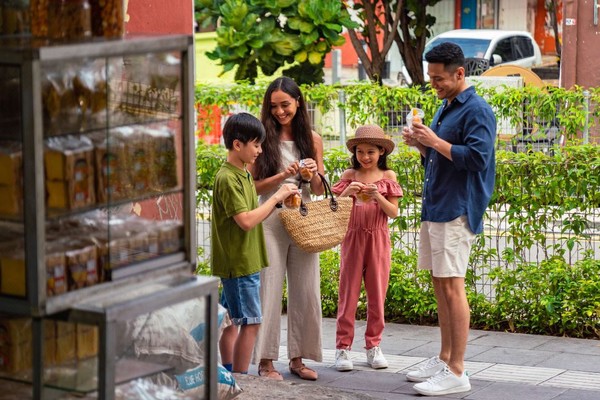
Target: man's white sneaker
x,y
431,367
342,360
444,382
375,358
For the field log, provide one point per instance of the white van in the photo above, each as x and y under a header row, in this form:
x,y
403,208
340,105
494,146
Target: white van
x,y
493,46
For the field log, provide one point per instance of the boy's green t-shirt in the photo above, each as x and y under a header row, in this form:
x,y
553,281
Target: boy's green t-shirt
x,y
235,252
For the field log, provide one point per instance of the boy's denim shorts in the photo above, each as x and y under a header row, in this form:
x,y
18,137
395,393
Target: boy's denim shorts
x,y
241,298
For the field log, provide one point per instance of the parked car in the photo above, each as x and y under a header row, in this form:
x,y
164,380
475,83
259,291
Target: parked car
x,y
492,46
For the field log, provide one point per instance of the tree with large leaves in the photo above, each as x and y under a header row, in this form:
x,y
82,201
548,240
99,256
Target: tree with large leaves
x,y
270,34
405,22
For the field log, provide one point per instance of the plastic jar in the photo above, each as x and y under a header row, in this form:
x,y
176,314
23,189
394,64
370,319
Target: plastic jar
x,y
107,18
69,19
14,15
39,17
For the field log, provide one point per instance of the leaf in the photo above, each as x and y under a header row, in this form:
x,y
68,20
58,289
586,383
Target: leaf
x,y
310,37
234,12
334,27
301,56
256,43
339,41
315,57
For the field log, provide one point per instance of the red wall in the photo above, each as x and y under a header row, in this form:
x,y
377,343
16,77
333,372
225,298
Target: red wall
x,y
544,34
349,56
160,16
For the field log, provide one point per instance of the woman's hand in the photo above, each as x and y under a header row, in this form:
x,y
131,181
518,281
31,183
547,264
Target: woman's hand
x,y
291,170
311,165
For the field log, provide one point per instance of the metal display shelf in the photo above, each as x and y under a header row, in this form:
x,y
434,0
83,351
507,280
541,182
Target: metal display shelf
x,y
142,284
107,309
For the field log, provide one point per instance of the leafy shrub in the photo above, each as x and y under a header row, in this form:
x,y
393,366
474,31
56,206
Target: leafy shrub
x,y
544,204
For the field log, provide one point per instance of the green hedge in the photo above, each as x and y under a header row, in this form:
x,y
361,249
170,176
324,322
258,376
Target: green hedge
x,y
544,203
527,107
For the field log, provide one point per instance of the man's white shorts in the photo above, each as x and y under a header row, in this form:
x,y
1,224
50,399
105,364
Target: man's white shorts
x,y
444,247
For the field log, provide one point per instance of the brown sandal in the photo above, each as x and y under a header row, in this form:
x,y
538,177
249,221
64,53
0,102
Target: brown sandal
x,y
269,372
304,372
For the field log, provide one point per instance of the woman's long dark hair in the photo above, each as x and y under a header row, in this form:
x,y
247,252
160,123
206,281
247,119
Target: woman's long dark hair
x,y
269,162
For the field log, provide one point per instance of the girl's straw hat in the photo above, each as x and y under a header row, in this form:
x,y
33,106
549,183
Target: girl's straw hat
x,y
371,134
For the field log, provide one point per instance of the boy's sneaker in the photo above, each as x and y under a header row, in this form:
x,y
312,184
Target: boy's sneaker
x,y
375,358
445,382
429,369
342,360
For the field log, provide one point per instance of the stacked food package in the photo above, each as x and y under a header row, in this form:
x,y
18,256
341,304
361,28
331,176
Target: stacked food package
x,y
83,250
64,342
11,180
69,170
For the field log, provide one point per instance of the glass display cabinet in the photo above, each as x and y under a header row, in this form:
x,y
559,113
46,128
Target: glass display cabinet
x,y
97,186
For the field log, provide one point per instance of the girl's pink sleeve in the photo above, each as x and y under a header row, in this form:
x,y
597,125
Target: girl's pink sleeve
x,y
340,186
390,188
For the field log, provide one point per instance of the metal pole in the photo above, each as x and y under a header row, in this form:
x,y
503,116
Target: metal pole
x,y
336,66
342,97
586,108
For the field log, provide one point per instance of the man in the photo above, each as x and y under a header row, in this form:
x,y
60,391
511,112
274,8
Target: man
x,y
458,154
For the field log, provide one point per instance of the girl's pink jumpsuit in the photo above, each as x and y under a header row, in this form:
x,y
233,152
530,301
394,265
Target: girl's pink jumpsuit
x,y
366,254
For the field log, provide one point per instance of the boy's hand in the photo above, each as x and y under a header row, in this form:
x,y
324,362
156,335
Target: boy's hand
x,y
285,191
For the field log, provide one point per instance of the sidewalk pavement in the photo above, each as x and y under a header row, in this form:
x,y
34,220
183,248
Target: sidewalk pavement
x,y
501,365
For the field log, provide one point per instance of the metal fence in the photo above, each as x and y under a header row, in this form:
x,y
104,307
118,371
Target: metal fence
x,y
551,232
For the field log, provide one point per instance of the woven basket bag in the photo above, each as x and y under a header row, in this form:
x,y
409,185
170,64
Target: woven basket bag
x,y
318,225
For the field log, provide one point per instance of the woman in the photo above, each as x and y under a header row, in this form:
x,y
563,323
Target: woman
x,y
290,142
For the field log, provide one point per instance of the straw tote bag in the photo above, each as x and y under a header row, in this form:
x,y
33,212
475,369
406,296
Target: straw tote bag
x,y
318,225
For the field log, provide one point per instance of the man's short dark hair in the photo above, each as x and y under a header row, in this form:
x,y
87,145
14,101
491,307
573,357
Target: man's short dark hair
x,y
447,53
243,127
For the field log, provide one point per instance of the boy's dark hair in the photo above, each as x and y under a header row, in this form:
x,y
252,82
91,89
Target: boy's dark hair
x,y
447,53
243,127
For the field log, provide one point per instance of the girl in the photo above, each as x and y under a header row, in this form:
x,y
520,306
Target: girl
x,y
366,249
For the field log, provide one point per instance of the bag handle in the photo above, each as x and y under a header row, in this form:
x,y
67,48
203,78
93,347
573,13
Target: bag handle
x,y
333,204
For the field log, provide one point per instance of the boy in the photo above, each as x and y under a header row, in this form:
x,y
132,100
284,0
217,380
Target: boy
x,y
237,241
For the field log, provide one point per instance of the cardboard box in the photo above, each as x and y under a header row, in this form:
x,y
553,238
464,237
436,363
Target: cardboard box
x,y
15,344
56,273
140,155
111,163
170,236
49,342
87,341
165,161
11,199
12,273
11,164
82,266
66,342
70,178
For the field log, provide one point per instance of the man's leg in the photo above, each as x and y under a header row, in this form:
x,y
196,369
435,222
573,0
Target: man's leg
x,y
455,328
443,320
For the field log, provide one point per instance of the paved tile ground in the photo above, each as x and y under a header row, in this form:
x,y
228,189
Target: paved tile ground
x,y
502,366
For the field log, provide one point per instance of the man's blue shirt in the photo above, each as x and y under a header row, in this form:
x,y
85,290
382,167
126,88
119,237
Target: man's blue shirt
x,y
463,185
